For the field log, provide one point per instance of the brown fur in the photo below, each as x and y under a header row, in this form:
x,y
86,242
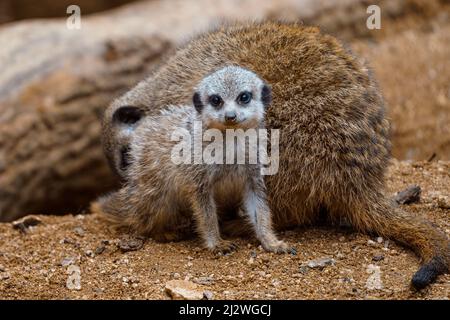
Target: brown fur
x,y
334,143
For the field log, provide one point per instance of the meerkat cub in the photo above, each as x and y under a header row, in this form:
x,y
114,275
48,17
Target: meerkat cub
x,y
159,191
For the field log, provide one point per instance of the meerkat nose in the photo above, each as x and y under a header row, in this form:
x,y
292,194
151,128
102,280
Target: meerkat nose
x,y
230,116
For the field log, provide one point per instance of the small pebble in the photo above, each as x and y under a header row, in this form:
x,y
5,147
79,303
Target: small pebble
x,y
208,295
128,243
67,261
100,249
320,263
378,257
79,231
25,223
409,195
204,280
90,253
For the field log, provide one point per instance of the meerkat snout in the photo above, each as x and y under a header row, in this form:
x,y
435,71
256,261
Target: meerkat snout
x,y
232,97
230,116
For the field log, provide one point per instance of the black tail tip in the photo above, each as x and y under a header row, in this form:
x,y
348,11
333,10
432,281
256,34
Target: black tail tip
x,y
428,273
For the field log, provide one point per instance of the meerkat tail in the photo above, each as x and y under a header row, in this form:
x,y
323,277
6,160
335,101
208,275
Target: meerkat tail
x,y
110,207
430,244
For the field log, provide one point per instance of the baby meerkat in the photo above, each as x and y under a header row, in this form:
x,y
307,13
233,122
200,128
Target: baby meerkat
x,y
160,190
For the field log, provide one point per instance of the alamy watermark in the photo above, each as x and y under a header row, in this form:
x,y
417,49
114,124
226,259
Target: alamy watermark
x,y
374,20
73,22
232,146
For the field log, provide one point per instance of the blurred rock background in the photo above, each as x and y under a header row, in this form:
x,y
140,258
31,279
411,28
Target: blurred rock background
x,y
56,82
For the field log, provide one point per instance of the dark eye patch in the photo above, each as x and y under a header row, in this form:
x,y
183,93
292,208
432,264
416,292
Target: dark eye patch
x,y
266,95
127,115
197,102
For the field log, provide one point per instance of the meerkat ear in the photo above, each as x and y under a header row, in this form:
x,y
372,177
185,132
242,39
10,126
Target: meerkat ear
x,y
127,115
197,102
266,95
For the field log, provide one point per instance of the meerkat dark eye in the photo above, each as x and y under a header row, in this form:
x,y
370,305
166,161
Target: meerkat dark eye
x,y
245,97
216,101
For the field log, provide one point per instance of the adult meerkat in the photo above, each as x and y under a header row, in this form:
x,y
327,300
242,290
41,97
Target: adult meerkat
x,y
159,189
334,143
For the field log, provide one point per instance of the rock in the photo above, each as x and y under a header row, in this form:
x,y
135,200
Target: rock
x,y
409,195
184,290
4,276
100,249
79,231
303,269
443,202
276,282
374,281
129,243
99,290
208,295
371,242
24,223
378,257
380,240
90,253
73,281
204,280
67,261
320,263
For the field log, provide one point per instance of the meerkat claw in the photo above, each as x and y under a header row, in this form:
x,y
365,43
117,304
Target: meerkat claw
x,y
224,247
278,247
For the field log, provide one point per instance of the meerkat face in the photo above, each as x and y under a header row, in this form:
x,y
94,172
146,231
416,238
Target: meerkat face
x,y
232,97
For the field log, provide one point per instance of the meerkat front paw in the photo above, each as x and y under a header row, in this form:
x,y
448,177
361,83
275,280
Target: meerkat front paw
x,y
224,247
279,246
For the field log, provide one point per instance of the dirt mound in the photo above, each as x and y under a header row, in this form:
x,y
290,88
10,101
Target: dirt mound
x,y
43,261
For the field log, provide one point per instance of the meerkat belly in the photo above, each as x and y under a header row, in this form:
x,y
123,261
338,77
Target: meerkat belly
x,y
229,190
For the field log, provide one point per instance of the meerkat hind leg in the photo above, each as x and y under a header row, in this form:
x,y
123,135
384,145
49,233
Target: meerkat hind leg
x,y
205,214
258,212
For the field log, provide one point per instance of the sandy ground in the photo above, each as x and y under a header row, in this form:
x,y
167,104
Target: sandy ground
x,y
38,264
